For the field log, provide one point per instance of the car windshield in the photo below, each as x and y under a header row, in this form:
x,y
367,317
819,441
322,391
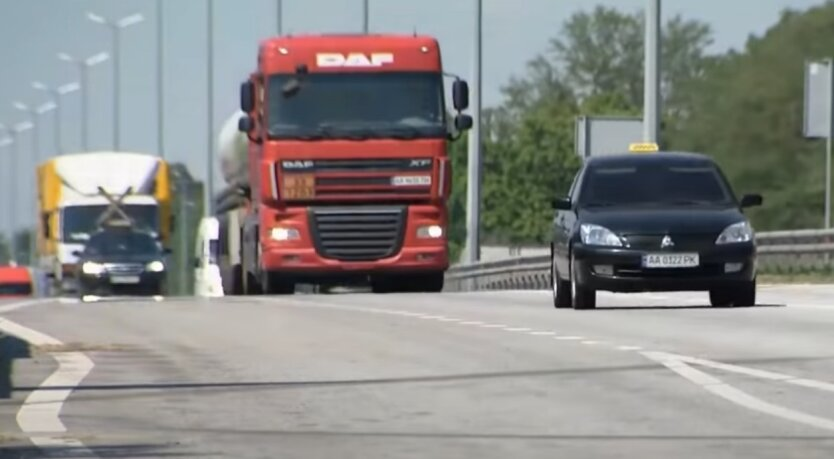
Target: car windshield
x,y
121,243
402,105
655,184
80,221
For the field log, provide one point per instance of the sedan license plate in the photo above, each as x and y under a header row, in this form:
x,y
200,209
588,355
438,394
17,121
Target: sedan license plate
x,y
124,280
671,260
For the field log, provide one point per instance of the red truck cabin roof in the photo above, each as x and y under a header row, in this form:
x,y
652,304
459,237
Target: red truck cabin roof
x,y
350,53
15,281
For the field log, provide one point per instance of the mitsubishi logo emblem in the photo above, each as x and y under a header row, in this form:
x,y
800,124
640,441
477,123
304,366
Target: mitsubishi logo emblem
x,y
666,242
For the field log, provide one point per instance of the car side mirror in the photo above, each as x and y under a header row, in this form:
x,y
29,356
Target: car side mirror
x,y
562,204
751,200
76,253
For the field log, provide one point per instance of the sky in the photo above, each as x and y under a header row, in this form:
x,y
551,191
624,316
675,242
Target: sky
x,y
34,31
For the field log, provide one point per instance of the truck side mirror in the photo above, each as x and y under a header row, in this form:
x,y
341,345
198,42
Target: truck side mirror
x,y
247,96
463,122
246,124
460,95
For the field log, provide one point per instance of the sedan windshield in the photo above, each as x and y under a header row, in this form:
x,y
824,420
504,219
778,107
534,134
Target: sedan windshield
x,y
358,106
80,221
122,243
655,184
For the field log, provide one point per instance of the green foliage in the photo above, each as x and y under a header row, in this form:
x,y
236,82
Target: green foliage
x,y
743,108
747,112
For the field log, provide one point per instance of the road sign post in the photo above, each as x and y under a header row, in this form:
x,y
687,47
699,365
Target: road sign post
x,y
818,120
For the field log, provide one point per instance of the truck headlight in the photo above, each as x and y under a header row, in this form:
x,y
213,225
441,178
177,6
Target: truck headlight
x,y
91,268
599,235
284,234
735,233
155,266
430,232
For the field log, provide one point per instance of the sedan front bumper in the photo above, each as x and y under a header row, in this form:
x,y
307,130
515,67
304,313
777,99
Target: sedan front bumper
x,y
622,270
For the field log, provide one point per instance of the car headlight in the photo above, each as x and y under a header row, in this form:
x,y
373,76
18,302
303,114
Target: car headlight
x,y
284,234
735,233
155,266
92,268
599,235
430,232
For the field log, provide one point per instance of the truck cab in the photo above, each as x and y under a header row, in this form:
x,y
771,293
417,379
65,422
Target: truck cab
x,y
348,169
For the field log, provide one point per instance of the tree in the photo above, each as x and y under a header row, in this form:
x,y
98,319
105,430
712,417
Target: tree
x,y
746,111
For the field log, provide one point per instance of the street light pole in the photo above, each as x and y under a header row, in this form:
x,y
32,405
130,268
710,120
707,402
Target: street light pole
x,y
35,113
279,10
116,27
366,19
160,79
83,68
13,176
651,84
57,94
209,204
473,188
5,141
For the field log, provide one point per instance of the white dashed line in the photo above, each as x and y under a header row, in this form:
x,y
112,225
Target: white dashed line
x,y
543,333
493,326
590,342
570,338
472,322
629,348
518,329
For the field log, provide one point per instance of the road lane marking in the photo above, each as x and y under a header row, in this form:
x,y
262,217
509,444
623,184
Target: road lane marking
x,y
472,322
629,348
517,329
543,333
756,373
591,342
570,338
39,415
734,395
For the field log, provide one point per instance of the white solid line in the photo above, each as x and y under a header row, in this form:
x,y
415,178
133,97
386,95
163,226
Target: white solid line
x,y
763,374
22,304
40,411
570,338
739,397
542,333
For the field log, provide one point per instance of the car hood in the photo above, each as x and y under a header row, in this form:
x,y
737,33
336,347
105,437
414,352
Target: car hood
x,y
123,258
689,220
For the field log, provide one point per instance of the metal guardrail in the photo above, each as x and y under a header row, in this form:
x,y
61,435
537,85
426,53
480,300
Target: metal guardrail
x,y
779,252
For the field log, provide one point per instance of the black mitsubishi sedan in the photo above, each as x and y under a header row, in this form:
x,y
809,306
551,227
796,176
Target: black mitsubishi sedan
x,y
121,261
663,221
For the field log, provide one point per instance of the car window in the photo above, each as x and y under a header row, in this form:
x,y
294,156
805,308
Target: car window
x,y
121,243
655,184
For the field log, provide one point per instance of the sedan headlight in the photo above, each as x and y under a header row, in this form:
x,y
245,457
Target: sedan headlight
x,y
599,235
735,233
92,268
284,234
155,266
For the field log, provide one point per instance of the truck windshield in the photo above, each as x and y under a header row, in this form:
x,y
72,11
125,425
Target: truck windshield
x,y
80,221
402,105
121,243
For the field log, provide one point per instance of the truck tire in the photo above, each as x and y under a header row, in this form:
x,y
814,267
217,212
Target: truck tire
x,y
430,282
276,284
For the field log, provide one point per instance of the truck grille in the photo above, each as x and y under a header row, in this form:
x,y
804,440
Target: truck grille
x,y
358,165
124,269
358,233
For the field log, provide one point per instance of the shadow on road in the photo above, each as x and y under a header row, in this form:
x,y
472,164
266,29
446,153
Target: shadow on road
x,y
11,348
133,451
679,307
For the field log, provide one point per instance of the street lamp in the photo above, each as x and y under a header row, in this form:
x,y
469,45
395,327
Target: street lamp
x,y
56,94
83,66
14,132
116,27
35,113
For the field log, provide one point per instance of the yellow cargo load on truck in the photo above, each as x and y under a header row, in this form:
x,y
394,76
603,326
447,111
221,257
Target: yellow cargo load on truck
x,y
76,190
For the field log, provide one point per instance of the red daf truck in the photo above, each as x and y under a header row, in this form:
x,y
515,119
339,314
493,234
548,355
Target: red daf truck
x,y
348,170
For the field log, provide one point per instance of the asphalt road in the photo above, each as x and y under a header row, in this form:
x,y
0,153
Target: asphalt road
x,y
491,375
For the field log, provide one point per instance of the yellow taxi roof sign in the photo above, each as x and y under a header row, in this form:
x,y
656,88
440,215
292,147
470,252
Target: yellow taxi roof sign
x,y
643,147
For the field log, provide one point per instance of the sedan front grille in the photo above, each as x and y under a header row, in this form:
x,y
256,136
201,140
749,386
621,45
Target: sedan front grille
x,y
124,268
358,233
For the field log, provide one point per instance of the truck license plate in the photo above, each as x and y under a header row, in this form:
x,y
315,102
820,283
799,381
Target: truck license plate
x,y
671,260
124,280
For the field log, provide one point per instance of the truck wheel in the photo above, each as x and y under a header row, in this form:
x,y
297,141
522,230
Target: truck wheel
x,y
385,284
276,284
430,282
